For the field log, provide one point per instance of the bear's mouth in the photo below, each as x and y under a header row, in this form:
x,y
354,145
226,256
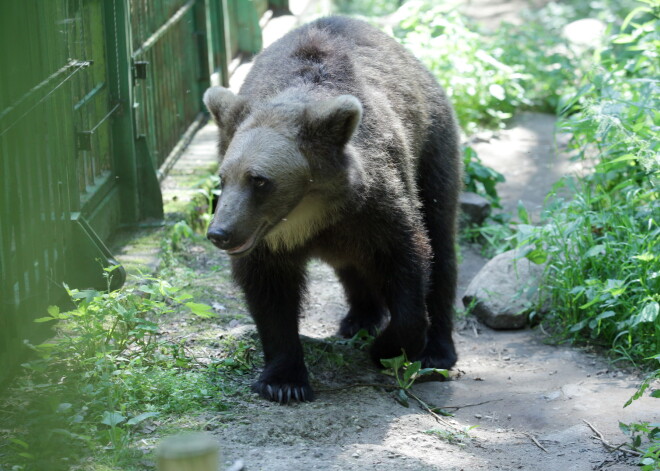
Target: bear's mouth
x,y
249,244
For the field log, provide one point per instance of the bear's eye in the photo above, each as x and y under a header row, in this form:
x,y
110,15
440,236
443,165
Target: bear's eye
x,y
257,181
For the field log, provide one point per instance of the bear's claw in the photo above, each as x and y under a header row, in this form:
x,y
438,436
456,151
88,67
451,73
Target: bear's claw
x,y
284,393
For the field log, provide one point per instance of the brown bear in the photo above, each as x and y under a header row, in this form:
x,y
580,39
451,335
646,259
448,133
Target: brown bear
x,y
340,146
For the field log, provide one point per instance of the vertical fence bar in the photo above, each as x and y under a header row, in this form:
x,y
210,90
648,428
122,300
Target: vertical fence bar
x,y
219,46
120,79
249,32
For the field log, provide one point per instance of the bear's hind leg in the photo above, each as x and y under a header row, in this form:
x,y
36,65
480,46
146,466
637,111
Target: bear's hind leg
x,y
439,181
440,351
404,288
367,309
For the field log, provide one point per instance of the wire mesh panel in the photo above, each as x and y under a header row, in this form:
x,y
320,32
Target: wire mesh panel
x,y
54,146
166,42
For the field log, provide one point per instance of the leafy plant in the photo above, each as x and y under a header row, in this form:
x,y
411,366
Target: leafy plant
x,y
406,373
105,373
479,178
645,436
602,276
485,91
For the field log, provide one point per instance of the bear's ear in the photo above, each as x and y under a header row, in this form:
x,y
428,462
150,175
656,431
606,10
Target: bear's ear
x,y
227,109
333,120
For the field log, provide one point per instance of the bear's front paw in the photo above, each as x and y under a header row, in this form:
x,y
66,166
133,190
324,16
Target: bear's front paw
x,y
284,393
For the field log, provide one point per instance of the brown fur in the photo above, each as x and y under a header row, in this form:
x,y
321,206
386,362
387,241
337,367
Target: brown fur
x,y
340,146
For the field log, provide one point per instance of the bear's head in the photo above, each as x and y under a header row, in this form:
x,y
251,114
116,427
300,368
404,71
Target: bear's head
x,y
286,167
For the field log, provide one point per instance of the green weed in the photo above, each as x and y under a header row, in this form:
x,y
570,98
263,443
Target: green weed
x,y
105,375
602,245
406,373
480,179
484,90
645,436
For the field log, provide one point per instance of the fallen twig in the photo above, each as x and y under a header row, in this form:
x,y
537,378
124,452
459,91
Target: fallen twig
x,y
470,405
608,445
536,442
430,411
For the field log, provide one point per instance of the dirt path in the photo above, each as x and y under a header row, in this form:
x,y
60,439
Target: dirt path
x,y
529,402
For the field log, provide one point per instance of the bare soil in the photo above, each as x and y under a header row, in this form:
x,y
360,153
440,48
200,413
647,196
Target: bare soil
x,y
519,402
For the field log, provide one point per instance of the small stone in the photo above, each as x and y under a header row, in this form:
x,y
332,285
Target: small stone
x,y
504,291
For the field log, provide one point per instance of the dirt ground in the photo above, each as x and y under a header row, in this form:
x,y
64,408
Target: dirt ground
x,y
519,403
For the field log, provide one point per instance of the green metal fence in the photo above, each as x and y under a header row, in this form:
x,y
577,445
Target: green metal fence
x,y
96,98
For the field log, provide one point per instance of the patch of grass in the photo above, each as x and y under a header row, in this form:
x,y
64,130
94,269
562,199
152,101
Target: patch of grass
x,y
106,375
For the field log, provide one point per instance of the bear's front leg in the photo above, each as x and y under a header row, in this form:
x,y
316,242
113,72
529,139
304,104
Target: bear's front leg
x,y
273,286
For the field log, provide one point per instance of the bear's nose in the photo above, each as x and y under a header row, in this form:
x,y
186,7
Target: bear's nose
x,y
219,236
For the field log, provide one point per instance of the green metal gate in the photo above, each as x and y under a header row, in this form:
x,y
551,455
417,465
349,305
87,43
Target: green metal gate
x,y
96,99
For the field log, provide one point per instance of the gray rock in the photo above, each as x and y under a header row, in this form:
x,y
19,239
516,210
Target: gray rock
x,y
475,208
505,291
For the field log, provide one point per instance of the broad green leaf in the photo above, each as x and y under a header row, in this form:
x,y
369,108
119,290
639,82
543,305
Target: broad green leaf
x,y
183,297
645,257
579,326
411,370
649,313
202,310
426,371
45,319
112,419
54,311
537,256
387,362
590,303
402,397
605,315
